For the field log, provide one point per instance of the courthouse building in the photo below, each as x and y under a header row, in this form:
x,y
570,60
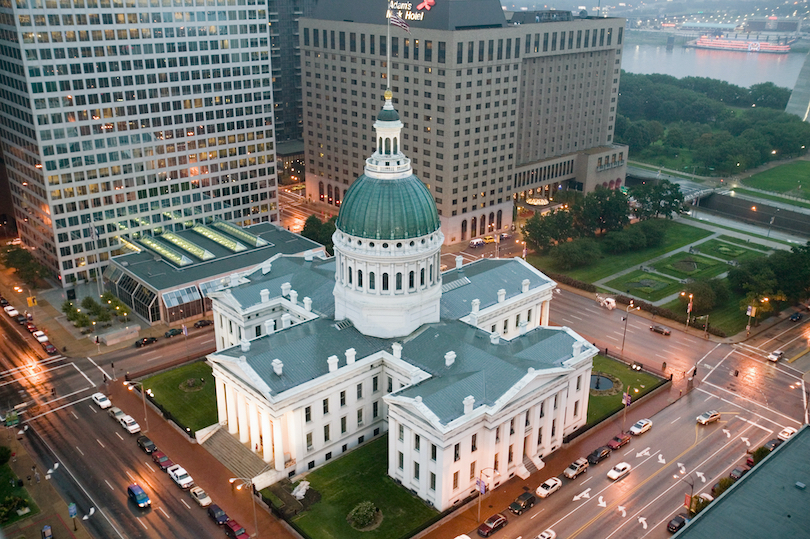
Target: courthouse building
x,y
493,110
316,356
123,119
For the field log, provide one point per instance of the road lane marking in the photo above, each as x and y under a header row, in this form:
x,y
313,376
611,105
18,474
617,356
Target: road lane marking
x,y
207,340
674,420
82,373
142,524
74,414
566,320
150,468
750,401
80,451
119,436
130,476
99,368
578,318
659,355
164,512
63,406
93,408
184,503
109,485
611,337
99,442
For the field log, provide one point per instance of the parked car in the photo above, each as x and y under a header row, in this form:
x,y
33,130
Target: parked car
x,y
619,440
738,472
3,302
549,487
708,417
575,468
599,454
234,530
492,524
180,476
678,522
147,445
50,349
30,327
660,329
145,341
203,323
172,332
641,426
522,503
11,311
116,413
129,424
137,495
217,514
776,355
101,400
619,471
40,336
21,319
773,444
162,460
199,496
795,317
477,242
786,433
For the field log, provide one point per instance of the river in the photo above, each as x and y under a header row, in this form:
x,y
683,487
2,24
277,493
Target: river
x,y
740,68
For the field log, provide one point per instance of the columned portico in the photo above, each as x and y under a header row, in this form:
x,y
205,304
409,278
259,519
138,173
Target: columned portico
x,y
278,444
233,422
546,305
242,417
268,438
253,415
222,411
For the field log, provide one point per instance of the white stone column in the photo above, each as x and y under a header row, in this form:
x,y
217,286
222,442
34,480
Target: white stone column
x,y
222,404
546,305
267,437
242,417
230,397
253,417
278,444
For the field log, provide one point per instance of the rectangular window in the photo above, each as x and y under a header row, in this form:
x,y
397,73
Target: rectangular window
x,y
495,465
390,384
415,470
359,417
309,441
375,409
433,451
375,384
474,443
555,401
343,425
455,481
540,436
576,409
417,440
542,409
432,481
325,406
472,471
343,398
553,427
511,454
360,391
308,414
326,433
401,458
401,432
456,452
579,382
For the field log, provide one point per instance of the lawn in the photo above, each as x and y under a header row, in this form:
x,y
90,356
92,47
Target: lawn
x,y
677,235
727,317
716,225
690,266
194,407
775,198
358,476
7,478
785,178
647,286
727,251
639,382
747,243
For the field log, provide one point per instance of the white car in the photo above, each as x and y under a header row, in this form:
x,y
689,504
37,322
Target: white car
x,y
40,336
548,534
130,424
641,426
619,471
180,476
101,400
550,486
776,355
11,311
199,496
786,433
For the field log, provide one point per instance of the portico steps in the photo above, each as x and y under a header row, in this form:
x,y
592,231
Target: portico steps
x,y
238,458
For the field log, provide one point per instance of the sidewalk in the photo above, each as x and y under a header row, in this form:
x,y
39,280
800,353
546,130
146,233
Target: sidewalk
x,y
53,509
465,520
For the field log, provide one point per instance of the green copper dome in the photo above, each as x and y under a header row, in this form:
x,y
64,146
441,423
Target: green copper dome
x,y
380,209
388,115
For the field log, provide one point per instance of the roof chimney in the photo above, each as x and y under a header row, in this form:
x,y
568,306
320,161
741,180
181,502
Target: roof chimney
x,y
293,297
449,358
469,403
494,338
286,320
308,256
245,344
525,285
266,267
333,363
285,289
577,348
278,366
351,354
269,326
459,262
476,304
501,295
234,277
397,348
524,327
308,304
265,293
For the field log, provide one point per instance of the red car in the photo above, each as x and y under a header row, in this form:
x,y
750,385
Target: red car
x,y
162,460
30,327
619,440
234,530
492,524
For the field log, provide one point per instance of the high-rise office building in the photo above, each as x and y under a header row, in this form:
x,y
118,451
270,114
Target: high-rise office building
x,y
493,110
123,118
285,56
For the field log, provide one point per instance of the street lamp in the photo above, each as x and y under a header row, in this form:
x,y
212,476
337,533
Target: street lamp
x,y
482,487
130,385
691,483
626,317
770,224
752,311
246,482
688,308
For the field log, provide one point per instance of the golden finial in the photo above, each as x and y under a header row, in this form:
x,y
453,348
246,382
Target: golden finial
x,y
388,95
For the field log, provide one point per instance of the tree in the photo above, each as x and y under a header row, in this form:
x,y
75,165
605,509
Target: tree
x,y
759,454
575,254
674,138
723,485
544,231
637,137
25,265
602,210
655,231
706,295
320,232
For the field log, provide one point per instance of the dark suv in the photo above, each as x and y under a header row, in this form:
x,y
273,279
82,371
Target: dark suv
x,y
522,503
599,455
145,341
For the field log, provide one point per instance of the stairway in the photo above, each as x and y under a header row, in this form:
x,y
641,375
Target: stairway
x,y
530,467
234,455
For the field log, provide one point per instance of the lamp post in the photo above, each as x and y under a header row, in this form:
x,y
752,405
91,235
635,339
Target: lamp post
x,y
688,309
691,483
249,483
770,224
752,311
626,317
482,487
131,385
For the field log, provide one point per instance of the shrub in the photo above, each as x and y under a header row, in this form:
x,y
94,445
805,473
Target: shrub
x,y
9,506
654,231
5,455
759,454
663,313
570,281
362,515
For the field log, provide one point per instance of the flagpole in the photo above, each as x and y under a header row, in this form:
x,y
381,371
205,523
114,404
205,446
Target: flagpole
x,y
388,51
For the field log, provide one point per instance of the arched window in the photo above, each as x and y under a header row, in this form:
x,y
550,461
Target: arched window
x,y
399,281
320,190
329,191
350,274
473,226
385,281
463,230
396,145
431,273
483,224
422,277
499,220
491,221
359,278
337,196
380,145
411,283
387,146
371,283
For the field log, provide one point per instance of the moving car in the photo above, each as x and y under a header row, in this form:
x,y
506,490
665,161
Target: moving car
x,y
477,242
40,336
172,332
146,444
145,341
129,424
489,239
548,534
234,530
116,413
738,472
522,503
203,323
619,471
776,355
619,440
492,524
641,426
137,495
101,400
678,522
217,514
660,329
162,460
795,317
180,476
708,417
786,433
599,454
549,487
199,496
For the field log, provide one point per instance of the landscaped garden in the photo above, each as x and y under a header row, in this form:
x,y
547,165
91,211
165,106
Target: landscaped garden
x,y
637,383
686,265
187,392
727,251
12,496
645,285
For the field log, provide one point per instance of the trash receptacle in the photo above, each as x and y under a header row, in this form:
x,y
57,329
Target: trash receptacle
x,y
47,533
20,483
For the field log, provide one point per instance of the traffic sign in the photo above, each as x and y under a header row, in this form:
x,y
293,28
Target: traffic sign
x,y
72,510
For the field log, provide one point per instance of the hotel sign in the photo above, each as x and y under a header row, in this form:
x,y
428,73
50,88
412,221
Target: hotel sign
x,y
410,11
